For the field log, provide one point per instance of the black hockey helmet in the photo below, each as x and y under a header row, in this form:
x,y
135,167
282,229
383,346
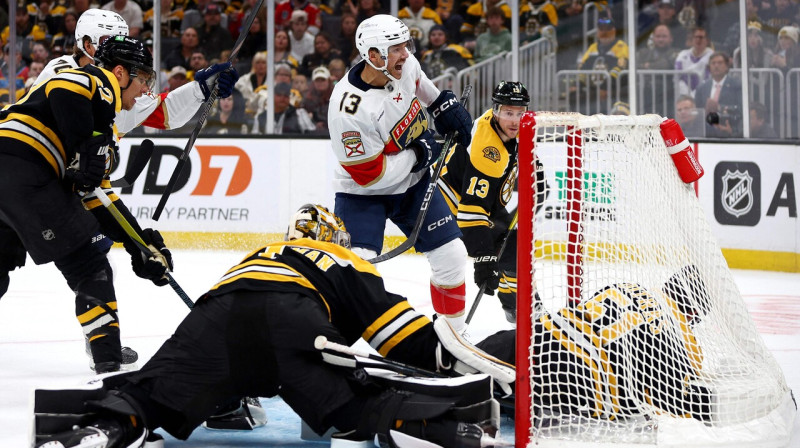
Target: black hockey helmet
x,y
510,93
318,223
128,52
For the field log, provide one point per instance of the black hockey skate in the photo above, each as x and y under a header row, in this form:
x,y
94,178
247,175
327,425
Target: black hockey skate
x,y
243,415
129,358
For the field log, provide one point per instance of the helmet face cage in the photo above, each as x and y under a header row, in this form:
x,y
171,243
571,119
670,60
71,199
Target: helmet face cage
x,y
97,24
130,53
316,222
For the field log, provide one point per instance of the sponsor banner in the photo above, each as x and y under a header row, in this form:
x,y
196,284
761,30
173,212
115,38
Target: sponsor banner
x,y
229,185
749,195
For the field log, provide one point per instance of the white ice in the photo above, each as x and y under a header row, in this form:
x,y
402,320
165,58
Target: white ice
x,y
41,343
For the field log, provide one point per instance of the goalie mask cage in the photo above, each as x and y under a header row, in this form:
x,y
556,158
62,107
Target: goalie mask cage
x,y
668,356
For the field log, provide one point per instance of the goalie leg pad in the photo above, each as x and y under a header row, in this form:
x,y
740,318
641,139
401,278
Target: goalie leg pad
x,y
470,359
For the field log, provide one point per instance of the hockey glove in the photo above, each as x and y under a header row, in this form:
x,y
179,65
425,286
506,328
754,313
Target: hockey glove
x,y
487,272
154,267
223,74
427,150
450,116
88,168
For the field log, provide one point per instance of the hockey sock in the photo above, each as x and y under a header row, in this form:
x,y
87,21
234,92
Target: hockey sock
x,y
450,303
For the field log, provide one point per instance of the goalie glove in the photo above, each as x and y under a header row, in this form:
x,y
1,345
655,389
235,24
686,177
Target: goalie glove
x,y
155,267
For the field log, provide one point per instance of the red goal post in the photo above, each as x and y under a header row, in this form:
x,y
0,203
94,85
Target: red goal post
x,y
642,338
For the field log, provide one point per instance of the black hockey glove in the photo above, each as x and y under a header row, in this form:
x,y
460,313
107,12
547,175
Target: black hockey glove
x,y
449,116
487,272
154,267
427,150
88,168
223,74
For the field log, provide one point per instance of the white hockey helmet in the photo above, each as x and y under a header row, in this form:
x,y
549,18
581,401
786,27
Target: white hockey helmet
x,y
318,223
380,32
96,24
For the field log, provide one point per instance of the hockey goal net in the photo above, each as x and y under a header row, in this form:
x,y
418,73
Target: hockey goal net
x,y
631,330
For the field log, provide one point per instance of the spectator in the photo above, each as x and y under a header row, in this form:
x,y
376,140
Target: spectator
x,y
283,73
176,78
130,11
787,53
300,84
732,38
758,55
229,117
364,10
22,69
81,6
34,69
476,20
691,119
27,31
722,97
782,15
50,15
283,50
198,61
539,18
214,38
496,39
569,34
40,53
419,19
248,83
182,54
193,14
284,11
288,119
759,128
442,56
658,98
301,41
337,68
667,17
236,16
322,55
607,54
318,99
65,37
694,59
171,19
254,42
721,18
346,39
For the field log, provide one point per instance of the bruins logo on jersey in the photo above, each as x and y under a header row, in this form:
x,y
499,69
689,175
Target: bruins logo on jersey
x,y
353,146
491,153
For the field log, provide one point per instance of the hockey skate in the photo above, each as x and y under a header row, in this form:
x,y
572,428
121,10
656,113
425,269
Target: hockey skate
x,y
129,358
243,415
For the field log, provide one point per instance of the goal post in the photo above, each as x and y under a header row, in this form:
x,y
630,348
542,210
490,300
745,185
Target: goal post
x,y
630,328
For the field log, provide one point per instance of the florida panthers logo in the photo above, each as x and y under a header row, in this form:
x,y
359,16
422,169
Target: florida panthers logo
x,y
353,146
411,126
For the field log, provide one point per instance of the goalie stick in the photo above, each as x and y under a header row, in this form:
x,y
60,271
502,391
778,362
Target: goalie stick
x,y
482,290
138,161
126,226
426,201
184,157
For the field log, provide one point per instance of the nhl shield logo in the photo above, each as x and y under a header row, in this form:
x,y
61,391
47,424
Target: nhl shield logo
x,y
48,234
737,192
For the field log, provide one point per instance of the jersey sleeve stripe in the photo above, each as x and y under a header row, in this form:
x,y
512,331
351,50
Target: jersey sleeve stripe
x,y
56,164
74,87
392,327
36,129
386,317
368,172
405,332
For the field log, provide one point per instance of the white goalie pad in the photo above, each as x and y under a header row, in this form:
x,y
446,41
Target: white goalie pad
x,y
471,359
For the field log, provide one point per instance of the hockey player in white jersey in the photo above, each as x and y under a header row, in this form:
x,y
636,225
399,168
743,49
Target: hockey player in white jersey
x,y
379,133
161,111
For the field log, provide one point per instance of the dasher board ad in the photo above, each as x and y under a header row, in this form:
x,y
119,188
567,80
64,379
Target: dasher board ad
x,y
229,185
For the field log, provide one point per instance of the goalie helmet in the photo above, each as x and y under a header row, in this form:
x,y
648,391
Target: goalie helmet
x,y
318,223
380,32
97,24
510,93
130,53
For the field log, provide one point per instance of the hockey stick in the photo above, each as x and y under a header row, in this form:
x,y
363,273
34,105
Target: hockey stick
x,y
426,201
136,166
184,157
126,226
482,290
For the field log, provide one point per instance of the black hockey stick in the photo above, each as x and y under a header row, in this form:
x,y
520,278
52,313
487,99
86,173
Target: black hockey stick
x,y
138,162
128,228
426,201
184,157
482,290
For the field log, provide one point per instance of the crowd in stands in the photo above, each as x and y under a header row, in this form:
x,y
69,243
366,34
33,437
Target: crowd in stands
x,y
314,46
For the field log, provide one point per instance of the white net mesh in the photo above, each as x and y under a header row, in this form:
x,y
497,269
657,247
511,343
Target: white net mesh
x,y
640,335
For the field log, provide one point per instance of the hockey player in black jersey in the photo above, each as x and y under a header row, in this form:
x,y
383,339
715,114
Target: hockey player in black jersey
x,y
57,144
477,183
253,334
